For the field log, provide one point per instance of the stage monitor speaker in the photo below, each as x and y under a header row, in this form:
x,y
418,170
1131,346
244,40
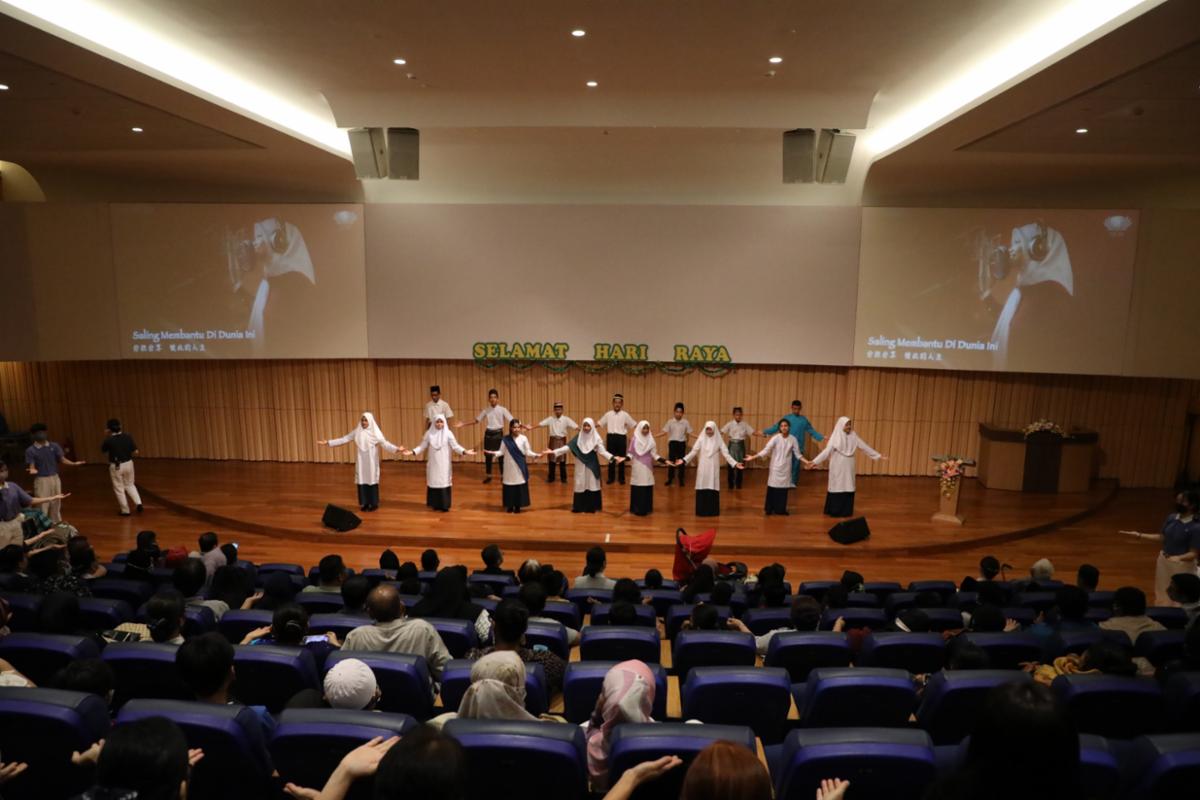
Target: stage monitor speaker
x,y
368,149
834,150
340,519
799,155
403,154
850,531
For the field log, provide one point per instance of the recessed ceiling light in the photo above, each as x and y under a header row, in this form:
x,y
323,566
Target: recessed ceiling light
x,y
592,84
3,87
399,62
136,130
579,33
776,59
1081,130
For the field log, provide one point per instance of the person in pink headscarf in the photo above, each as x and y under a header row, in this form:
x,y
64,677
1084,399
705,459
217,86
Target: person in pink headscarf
x,y
627,696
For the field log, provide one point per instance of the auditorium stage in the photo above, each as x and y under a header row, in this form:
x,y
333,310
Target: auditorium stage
x,y
285,501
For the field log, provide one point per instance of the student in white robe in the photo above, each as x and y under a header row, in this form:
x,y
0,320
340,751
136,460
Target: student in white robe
x,y
709,449
739,432
440,442
643,454
559,426
367,440
781,448
514,471
586,447
839,451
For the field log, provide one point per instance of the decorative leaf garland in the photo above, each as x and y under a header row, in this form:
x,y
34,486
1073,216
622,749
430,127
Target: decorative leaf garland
x,y
635,368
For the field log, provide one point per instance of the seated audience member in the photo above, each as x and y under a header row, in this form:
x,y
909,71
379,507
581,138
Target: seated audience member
x,y
962,653
165,618
1104,657
534,597
653,579
626,590
1087,578
1189,661
911,620
593,576
530,571
408,571
189,578
331,573
138,566
354,595
91,675
51,574
448,598
210,553
10,677
143,760
205,665
350,684
497,691
1129,614
772,595
722,594
389,562
232,586
1184,590
430,561
508,631
622,612
425,764
394,632
852,581
229,549
5,617
1040,572
147,542
991,619
1069,615
704,617
702,581
83,560
627,695
493,560
59,613
555,584
289,628
727,771
805,616
278,590
1023,745
14,569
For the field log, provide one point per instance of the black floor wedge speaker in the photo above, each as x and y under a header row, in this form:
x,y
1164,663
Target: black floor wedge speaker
x,y
850,531
340,519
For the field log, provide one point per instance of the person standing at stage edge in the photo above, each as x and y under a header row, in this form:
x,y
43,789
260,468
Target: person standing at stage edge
x,y
43,458
618,424
120,449
800,427
497,417
559,426
436,406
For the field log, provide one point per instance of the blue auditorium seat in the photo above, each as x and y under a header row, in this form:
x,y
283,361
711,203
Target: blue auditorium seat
x,y
1167,766
1076,642
566,613
131,591
764,620
270,675
40,655
235,624
634,744
645,615
1181,694
944,619
711,649
41,727
952,698
839,697
24,609
874,618
619,643
757,697
879,762
914,652
1172,618
456,678
457,634
817,589
103,613
737,603
1159,647
666,584
582,598
320,602
680,613
882,589
1008,650
800,652
403,680
662,599
946,589
494,583
1038,601
144,670
1112,706
551,634
290,569
584,679
341,624
522,759
863,600
1099,771
899,601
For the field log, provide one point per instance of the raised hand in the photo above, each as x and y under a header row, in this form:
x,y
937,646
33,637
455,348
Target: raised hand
x,y
322,442
832,789
364,760
11,770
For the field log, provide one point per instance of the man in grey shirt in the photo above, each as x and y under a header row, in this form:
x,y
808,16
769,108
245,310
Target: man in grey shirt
x,y
394,632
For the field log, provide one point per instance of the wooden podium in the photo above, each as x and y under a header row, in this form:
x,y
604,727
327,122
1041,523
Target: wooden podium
x,y
1042,462
948,492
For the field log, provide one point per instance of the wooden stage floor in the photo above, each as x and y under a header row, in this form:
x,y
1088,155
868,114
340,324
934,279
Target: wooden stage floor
x,y
273,510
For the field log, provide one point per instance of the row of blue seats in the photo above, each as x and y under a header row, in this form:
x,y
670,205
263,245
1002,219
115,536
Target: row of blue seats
x,y
760,697
511,759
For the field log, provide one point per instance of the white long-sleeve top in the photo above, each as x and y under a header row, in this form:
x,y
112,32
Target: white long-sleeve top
x,y
643,475
841,466
780,448
559,426
618,422
708,469
585,481
438,470
366,462
510,473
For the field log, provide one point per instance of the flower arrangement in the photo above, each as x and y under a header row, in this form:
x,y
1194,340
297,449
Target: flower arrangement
x,y
1044,426
949,471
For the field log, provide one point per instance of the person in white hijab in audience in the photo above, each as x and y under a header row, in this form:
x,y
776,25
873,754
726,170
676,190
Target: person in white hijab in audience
x,y
643,455
439,440
367,438
497,691
839,451
710,448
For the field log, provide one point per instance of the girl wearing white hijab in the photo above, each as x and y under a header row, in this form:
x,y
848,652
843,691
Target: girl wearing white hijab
x,y
643,454
367,439
514,472
781,447
839,450
497,691
439,441
586,446
709,446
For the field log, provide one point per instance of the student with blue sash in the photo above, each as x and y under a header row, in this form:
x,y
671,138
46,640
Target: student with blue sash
x,y
514,474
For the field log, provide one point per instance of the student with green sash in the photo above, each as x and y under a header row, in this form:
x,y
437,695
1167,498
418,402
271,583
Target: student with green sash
x,y
587,449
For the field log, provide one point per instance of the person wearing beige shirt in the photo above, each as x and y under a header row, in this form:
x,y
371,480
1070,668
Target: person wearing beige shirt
x,y
394,632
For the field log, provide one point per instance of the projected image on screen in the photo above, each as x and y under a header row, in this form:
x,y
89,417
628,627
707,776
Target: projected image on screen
x,y
235,281
1018,290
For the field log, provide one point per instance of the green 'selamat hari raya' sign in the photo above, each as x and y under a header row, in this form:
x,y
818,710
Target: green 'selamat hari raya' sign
x,y
601,351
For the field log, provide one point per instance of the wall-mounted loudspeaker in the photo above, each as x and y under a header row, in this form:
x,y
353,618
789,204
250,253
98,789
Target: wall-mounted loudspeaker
x,y
393,153
816,156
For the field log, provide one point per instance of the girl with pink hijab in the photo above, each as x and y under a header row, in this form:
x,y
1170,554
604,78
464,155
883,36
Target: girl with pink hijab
x,y
627,696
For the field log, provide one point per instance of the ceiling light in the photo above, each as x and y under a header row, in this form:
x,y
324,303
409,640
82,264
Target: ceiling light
x,y
1064,27
776,59
118,35
399,62
1081,130
136,130
592,84
3,87
579,33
